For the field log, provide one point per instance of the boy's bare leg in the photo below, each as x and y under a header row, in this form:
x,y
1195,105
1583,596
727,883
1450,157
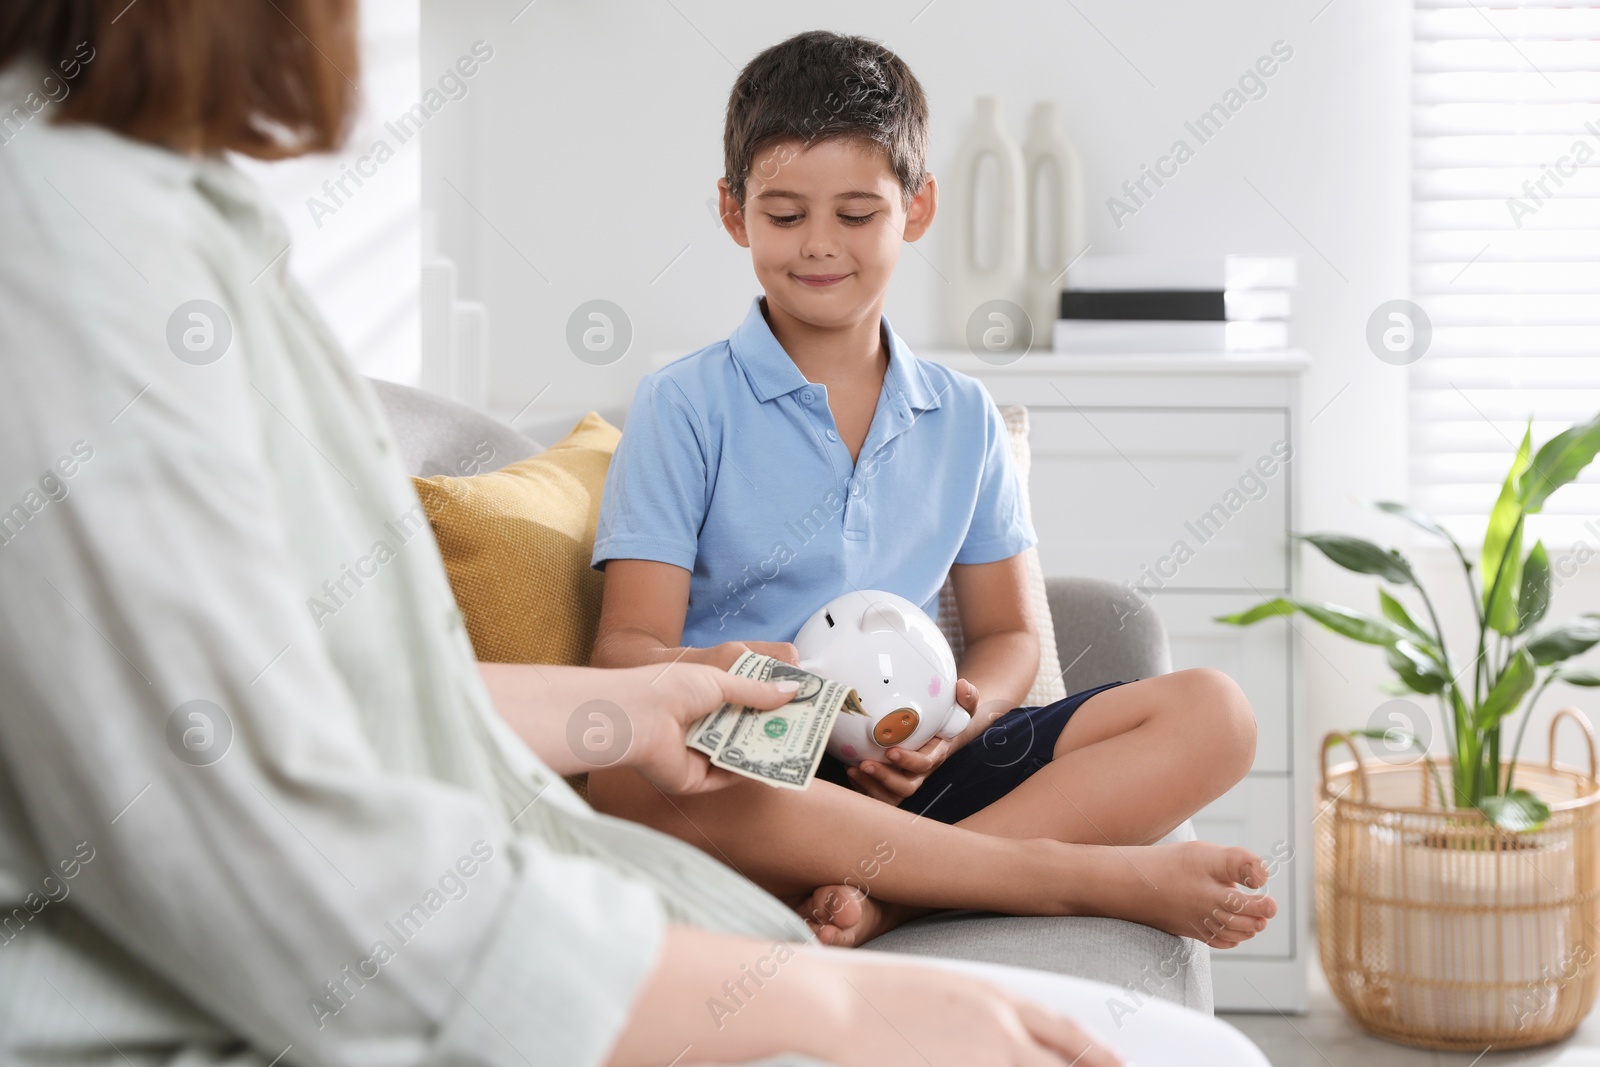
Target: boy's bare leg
x,y
792,842
1132,764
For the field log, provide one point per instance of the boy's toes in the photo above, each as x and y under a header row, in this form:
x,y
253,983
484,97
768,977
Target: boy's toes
x,y
1228,939
1257,906
832,910
1247,868
1227,929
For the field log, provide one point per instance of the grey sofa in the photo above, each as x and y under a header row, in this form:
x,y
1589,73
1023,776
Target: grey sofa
x,y
439,436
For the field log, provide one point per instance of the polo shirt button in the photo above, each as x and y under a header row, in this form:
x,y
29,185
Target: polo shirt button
x,y
807,396
832,436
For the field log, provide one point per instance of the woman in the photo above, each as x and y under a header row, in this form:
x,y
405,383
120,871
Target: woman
x,y
233,832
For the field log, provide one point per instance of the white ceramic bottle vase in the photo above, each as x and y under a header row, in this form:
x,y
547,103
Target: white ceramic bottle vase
x,y
977,284
1055,232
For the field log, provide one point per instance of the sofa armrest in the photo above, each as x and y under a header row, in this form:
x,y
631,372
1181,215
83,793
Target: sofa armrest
x,y
1104,635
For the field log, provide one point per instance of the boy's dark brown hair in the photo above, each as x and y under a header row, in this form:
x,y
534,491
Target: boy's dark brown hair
x,y
268,78
819,86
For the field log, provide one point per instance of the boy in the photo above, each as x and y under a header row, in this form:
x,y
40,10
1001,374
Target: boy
x,y
811,453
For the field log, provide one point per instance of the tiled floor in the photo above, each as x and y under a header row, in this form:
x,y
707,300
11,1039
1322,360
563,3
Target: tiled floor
x,y
1326,1037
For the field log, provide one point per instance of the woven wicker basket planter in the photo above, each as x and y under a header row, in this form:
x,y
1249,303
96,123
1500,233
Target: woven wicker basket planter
x,y
1440,930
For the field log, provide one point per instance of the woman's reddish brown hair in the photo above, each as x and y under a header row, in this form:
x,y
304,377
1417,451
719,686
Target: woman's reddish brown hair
x,y
269,78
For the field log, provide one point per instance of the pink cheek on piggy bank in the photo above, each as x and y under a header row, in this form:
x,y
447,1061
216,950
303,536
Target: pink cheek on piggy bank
x,y
849,751
934,685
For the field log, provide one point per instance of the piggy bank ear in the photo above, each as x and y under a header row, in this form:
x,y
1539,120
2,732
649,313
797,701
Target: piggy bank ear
x,y
880,617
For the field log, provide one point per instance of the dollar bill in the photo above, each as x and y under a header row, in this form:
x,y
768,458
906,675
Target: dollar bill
x,y
783,746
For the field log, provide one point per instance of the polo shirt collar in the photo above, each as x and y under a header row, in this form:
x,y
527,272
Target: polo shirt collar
x,y
771,373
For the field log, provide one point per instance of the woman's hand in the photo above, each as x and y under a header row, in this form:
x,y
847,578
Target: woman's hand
x,y
662,703
907,768
581,719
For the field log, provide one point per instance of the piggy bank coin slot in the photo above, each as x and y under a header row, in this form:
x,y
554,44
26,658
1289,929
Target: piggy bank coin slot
x,y
829,617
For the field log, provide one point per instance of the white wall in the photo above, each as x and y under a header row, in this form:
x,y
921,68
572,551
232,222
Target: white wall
x,y
581,164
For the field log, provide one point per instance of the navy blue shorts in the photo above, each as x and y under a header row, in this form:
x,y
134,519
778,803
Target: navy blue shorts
x,y
991,765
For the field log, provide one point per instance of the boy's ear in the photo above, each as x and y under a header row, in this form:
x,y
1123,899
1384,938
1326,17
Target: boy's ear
x,y
732,214
923,206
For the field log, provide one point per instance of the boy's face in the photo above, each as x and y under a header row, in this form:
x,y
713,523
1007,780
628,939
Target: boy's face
x,y
824,226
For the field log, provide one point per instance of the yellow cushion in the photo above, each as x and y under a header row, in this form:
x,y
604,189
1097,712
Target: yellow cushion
x,y
516,543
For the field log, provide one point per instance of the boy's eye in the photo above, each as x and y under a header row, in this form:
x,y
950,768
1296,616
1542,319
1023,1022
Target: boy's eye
x,y
848,220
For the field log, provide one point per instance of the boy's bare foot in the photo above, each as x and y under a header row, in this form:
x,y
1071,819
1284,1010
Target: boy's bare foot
x,y
1190,888
845,917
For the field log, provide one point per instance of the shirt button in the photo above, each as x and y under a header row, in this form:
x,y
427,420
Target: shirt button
x,y
807,396
832,436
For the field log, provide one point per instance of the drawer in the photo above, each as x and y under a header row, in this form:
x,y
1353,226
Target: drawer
x,y
1257,814
1257,657
1162,498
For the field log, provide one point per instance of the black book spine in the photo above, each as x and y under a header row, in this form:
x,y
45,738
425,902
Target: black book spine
x,y
1202,305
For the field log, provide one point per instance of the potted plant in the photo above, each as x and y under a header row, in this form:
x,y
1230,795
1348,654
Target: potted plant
x,y
1457,895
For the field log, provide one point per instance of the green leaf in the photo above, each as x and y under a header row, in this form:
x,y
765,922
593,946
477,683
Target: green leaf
x,y
1502,544
1341,620
1571,638
1396,613
1419,671
1579,677
1559,461
1363,557
1509,689
1418,519
1353,624
1534,600
1265,610
1516,812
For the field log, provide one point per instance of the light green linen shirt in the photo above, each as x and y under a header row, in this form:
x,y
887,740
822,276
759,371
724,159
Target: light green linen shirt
x,y
342,856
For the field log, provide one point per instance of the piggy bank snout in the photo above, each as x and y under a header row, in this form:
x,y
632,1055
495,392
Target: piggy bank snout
x,y
897,726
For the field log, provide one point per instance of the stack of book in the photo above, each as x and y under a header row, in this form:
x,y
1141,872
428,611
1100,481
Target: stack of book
x,y
1169,304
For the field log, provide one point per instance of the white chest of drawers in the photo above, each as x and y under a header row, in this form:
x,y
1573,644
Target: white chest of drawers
x,y
1175,476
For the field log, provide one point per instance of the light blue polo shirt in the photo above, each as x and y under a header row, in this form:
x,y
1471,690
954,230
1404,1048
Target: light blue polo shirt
x,y
731,467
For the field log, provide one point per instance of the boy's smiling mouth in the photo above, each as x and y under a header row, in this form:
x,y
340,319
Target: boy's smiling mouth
x,y
819,281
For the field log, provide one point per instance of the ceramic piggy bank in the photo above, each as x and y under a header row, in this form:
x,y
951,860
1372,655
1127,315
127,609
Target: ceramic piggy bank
x,y
894,657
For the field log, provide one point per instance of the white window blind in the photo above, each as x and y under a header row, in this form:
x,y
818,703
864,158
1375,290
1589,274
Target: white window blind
x,y
1505,251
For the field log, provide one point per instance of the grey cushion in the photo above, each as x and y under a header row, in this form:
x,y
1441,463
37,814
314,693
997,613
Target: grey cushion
x,y
439,436
1097,638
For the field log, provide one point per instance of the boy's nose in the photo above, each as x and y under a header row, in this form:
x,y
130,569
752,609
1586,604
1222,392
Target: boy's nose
x,y
817,241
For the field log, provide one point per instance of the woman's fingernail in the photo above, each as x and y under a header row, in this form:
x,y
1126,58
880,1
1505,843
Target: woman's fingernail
x,y
788,685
